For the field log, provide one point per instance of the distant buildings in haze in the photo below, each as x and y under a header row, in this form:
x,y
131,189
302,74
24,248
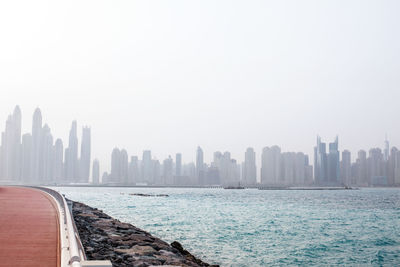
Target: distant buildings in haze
x,y
35,158
38,158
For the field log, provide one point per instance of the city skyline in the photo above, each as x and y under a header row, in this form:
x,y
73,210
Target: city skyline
x,y
40,157
189,156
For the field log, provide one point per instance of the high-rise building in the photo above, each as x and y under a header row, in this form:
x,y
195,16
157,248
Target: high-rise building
x,y
346,168
26,158
361,169
16,145
123,167
168,171
178,164
96,172
396,167
386,152
11,147
228,169
71,155
147,167
288,168
249,167
199,164
115,174
84,162
334,163
47,157
271,166
59,161
320,163
189,170
36,145
156,172
134,170
376,168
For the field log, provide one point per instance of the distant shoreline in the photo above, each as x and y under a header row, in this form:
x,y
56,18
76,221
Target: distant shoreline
x,y
260,187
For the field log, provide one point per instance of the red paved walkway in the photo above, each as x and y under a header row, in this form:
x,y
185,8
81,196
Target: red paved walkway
x,y
29,233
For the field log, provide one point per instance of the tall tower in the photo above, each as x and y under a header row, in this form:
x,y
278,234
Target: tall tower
x,y
271,160
46,166
115,174
71,157
334,163
178,166
147,167
133,170
58,161
250,169
84,166
26,157
320,163
346,167
123,167
36,145
16,146
167,171
199,164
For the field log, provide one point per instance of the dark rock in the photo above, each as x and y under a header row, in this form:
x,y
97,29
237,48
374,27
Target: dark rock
x,y
124,244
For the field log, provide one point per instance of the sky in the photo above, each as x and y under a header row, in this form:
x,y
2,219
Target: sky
x,y
224,75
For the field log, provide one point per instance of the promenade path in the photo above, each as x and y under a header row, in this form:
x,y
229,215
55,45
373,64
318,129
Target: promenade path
x,y
29,228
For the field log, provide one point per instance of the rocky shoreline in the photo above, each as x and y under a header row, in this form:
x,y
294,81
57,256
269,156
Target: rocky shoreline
x,y
105,238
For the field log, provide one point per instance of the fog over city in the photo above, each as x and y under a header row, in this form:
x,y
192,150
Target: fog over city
x,y
169,76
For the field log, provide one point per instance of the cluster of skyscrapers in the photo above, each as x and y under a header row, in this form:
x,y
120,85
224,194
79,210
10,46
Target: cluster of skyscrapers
x,y
35,158
149,171
278,168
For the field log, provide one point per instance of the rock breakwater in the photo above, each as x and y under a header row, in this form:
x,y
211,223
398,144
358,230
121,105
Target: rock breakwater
x,y
105,238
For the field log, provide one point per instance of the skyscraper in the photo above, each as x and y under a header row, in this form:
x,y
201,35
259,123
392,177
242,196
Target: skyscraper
x,y
115,174
271,166
123,165
334,163
199,164
11,147
134,170
178,164
168,171
47,156
16,145
36,145
361,169
71,155
346,167
320,163
26,158
375,167
147,168
249,167
59,161
84,162
386,153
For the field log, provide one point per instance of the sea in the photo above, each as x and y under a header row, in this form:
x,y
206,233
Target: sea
x,y
253,227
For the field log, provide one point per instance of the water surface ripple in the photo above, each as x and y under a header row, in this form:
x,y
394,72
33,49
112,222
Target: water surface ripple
x,y
263,228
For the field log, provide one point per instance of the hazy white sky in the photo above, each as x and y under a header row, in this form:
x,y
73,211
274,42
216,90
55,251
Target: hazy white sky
x,y
171,75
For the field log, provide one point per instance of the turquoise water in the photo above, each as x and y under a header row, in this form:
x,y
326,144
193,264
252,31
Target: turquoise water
x,y
262,228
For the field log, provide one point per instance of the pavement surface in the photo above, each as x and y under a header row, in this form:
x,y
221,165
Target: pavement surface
x,y
29,228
